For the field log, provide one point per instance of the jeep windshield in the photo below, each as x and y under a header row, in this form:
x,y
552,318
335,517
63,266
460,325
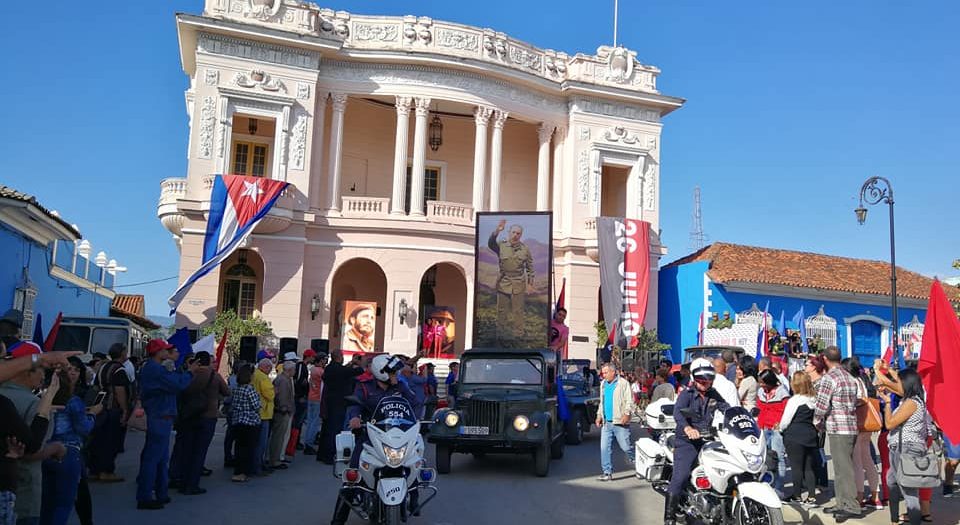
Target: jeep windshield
x,y
500,371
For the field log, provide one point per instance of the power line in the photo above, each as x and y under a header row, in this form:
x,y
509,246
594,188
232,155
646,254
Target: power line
x,y
145,282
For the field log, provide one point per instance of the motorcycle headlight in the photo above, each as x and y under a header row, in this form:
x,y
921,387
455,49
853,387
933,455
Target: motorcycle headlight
x,y
451,419
754,461
521,423
394,455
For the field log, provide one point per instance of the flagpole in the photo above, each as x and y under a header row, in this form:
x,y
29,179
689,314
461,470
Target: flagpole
x,y
616,10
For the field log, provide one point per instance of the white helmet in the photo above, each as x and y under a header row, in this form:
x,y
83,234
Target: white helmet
x,y
702,368
383,365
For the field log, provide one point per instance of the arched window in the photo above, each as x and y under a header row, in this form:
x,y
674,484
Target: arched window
x,y
240,289
822,327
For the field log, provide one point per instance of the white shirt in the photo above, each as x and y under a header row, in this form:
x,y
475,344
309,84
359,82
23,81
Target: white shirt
x,y
727,390
793,404
130,371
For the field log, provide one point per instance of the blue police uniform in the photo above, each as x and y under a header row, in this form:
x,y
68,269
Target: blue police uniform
x,y
158,394
686,451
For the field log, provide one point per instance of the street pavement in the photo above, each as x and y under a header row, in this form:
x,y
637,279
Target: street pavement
x,y
495,489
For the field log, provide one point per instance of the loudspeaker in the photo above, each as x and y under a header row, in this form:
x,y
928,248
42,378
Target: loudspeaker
x,y
248,349
288,344
320,345
194,334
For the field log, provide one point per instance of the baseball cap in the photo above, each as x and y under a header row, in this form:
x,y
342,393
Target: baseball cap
x,y
309,352
157,345
25,348
291,356
14,317
264,354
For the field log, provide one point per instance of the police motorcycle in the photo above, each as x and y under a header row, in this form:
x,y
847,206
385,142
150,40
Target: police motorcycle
x,y
655,453
729,484
391,479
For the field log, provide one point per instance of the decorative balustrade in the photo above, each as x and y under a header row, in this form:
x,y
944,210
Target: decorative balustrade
x,y
366,207
172,189
450,213
590,224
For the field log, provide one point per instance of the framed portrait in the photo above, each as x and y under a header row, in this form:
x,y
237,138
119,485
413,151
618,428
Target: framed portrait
x,y
359,327
513,279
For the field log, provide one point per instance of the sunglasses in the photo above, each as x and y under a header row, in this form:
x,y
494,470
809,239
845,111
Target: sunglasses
x,y
703,380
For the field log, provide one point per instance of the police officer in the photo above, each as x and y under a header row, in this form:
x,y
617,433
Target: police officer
x,y
384,383
515,281
703,400
159,385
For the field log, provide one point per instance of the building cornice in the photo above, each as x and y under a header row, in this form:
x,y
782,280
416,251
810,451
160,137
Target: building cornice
x,y
33,222
819,294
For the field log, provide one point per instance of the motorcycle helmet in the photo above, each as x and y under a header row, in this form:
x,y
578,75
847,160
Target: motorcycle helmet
x,y
383,365
702,368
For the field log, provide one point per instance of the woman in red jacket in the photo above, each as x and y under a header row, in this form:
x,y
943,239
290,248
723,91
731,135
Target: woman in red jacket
x,y
771,401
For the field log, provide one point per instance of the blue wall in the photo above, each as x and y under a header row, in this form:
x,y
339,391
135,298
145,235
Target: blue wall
x,y
680,301
53,295
680,307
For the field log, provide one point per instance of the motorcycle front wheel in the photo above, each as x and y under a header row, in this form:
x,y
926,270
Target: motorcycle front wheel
x,y
391,515
750,512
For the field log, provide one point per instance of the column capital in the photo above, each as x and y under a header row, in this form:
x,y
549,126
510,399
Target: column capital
x,y
339,101
423,106
561,131
403,105
545,132
499,118
481,115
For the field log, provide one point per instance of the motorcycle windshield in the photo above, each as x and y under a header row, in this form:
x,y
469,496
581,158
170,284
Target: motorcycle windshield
x,y
739,423
393,412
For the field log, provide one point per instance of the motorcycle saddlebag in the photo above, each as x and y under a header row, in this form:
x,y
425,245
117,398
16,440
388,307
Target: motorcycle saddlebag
x,y
650,463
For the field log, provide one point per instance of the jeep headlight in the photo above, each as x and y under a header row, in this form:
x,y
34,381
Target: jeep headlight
x,y
521,423
754,461
394,455
451,419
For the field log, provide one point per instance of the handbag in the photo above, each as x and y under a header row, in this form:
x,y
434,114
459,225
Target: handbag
x,y
868,415
920,468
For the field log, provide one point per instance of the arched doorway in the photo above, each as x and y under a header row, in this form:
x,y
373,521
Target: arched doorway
x,y
241,284
357,280
443,298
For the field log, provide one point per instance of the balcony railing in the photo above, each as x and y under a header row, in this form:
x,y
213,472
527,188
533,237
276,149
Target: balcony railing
x,y
449,213
366,207
172,189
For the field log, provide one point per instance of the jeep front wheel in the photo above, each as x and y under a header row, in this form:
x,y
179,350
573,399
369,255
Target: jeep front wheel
x,y
443,458
541,460
574,427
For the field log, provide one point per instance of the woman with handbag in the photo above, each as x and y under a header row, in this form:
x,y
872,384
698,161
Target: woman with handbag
x,y
868,422
909,430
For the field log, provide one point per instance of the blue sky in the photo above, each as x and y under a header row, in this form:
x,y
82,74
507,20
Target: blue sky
x,y
791,106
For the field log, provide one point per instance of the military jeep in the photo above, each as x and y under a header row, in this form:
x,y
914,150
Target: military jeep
x,y
506,403
581,388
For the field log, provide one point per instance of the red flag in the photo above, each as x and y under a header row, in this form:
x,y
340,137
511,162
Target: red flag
x,y
612,338
222,345
52,334
560,298
940,356
888,355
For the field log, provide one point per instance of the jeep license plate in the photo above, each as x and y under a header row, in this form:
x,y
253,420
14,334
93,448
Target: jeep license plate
x,y
475,431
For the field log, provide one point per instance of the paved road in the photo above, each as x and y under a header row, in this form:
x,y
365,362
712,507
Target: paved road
x,y
498,489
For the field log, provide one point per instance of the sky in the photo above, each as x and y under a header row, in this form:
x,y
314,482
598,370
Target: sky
x,y
790,107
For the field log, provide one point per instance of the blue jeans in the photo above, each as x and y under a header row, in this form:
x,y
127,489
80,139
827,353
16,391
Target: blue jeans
x,y
607,434
152,480
261,449
312,423
60,482
193,454
774,441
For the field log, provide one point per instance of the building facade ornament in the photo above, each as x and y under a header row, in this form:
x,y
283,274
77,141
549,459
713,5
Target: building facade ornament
x,y
403,105
208,115
457,39
583,176
339,102
259,51
422,105
258,78
303,91
545,132
499,118
262,9
376,32
299,141
481,115
620,134
417,30
613,109
211,77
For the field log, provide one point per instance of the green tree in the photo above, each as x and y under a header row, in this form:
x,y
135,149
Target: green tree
x,y
236,327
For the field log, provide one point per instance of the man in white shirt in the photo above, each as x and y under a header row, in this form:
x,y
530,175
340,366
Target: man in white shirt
x,y
724,386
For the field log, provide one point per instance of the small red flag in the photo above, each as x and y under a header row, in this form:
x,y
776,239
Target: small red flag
x,y
52,334
939,358
888,355
611,339
222,344
561,299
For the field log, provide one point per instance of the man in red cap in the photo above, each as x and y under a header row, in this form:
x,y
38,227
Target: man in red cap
x,y
159,385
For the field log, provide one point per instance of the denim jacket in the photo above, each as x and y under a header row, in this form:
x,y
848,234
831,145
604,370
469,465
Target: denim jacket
x,y
72,424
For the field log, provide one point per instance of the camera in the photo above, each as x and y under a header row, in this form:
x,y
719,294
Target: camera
x,y
393,366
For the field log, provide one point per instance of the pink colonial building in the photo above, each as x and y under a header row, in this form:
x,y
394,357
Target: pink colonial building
x,y
393,131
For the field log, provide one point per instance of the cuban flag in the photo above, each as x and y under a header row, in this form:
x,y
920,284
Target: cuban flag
x,y
237,204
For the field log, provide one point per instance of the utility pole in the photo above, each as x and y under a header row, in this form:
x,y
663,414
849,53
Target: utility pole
x,y
697,237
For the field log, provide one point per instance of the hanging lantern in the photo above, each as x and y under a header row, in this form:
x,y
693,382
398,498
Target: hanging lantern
x,y
436,132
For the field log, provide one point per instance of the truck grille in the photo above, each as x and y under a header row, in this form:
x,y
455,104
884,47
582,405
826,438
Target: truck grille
x,y
484,414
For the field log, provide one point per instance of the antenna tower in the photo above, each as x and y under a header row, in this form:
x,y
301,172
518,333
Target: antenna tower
x,y
697,237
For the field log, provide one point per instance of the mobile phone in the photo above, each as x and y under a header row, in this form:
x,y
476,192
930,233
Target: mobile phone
x,y
101,395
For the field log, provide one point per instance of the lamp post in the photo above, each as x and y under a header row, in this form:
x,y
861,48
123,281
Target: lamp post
x,y
872,192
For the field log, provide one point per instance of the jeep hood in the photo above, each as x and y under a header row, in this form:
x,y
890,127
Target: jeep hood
x,y
501,394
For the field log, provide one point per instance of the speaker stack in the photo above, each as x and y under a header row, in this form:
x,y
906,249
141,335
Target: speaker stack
x,y
248,349
287,344
320,345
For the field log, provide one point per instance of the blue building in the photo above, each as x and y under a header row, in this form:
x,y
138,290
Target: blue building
x,y
846,302
46,267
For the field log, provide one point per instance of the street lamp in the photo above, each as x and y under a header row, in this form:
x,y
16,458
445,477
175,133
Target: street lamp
x,y
872,192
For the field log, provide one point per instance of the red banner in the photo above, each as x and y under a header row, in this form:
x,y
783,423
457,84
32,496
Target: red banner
x,y
624,275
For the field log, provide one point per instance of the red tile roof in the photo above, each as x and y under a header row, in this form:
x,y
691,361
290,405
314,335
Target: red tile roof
x,y
751,264
132,307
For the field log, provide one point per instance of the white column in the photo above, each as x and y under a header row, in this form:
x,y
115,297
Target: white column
x,y
544,132
496,154
316,150
336,143
400,155
560,137
419,156
481,117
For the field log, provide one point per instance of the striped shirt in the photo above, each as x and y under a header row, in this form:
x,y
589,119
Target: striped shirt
x,y
245,406
837,402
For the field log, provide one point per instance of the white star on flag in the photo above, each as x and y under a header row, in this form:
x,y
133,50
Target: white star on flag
x,y
252,190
